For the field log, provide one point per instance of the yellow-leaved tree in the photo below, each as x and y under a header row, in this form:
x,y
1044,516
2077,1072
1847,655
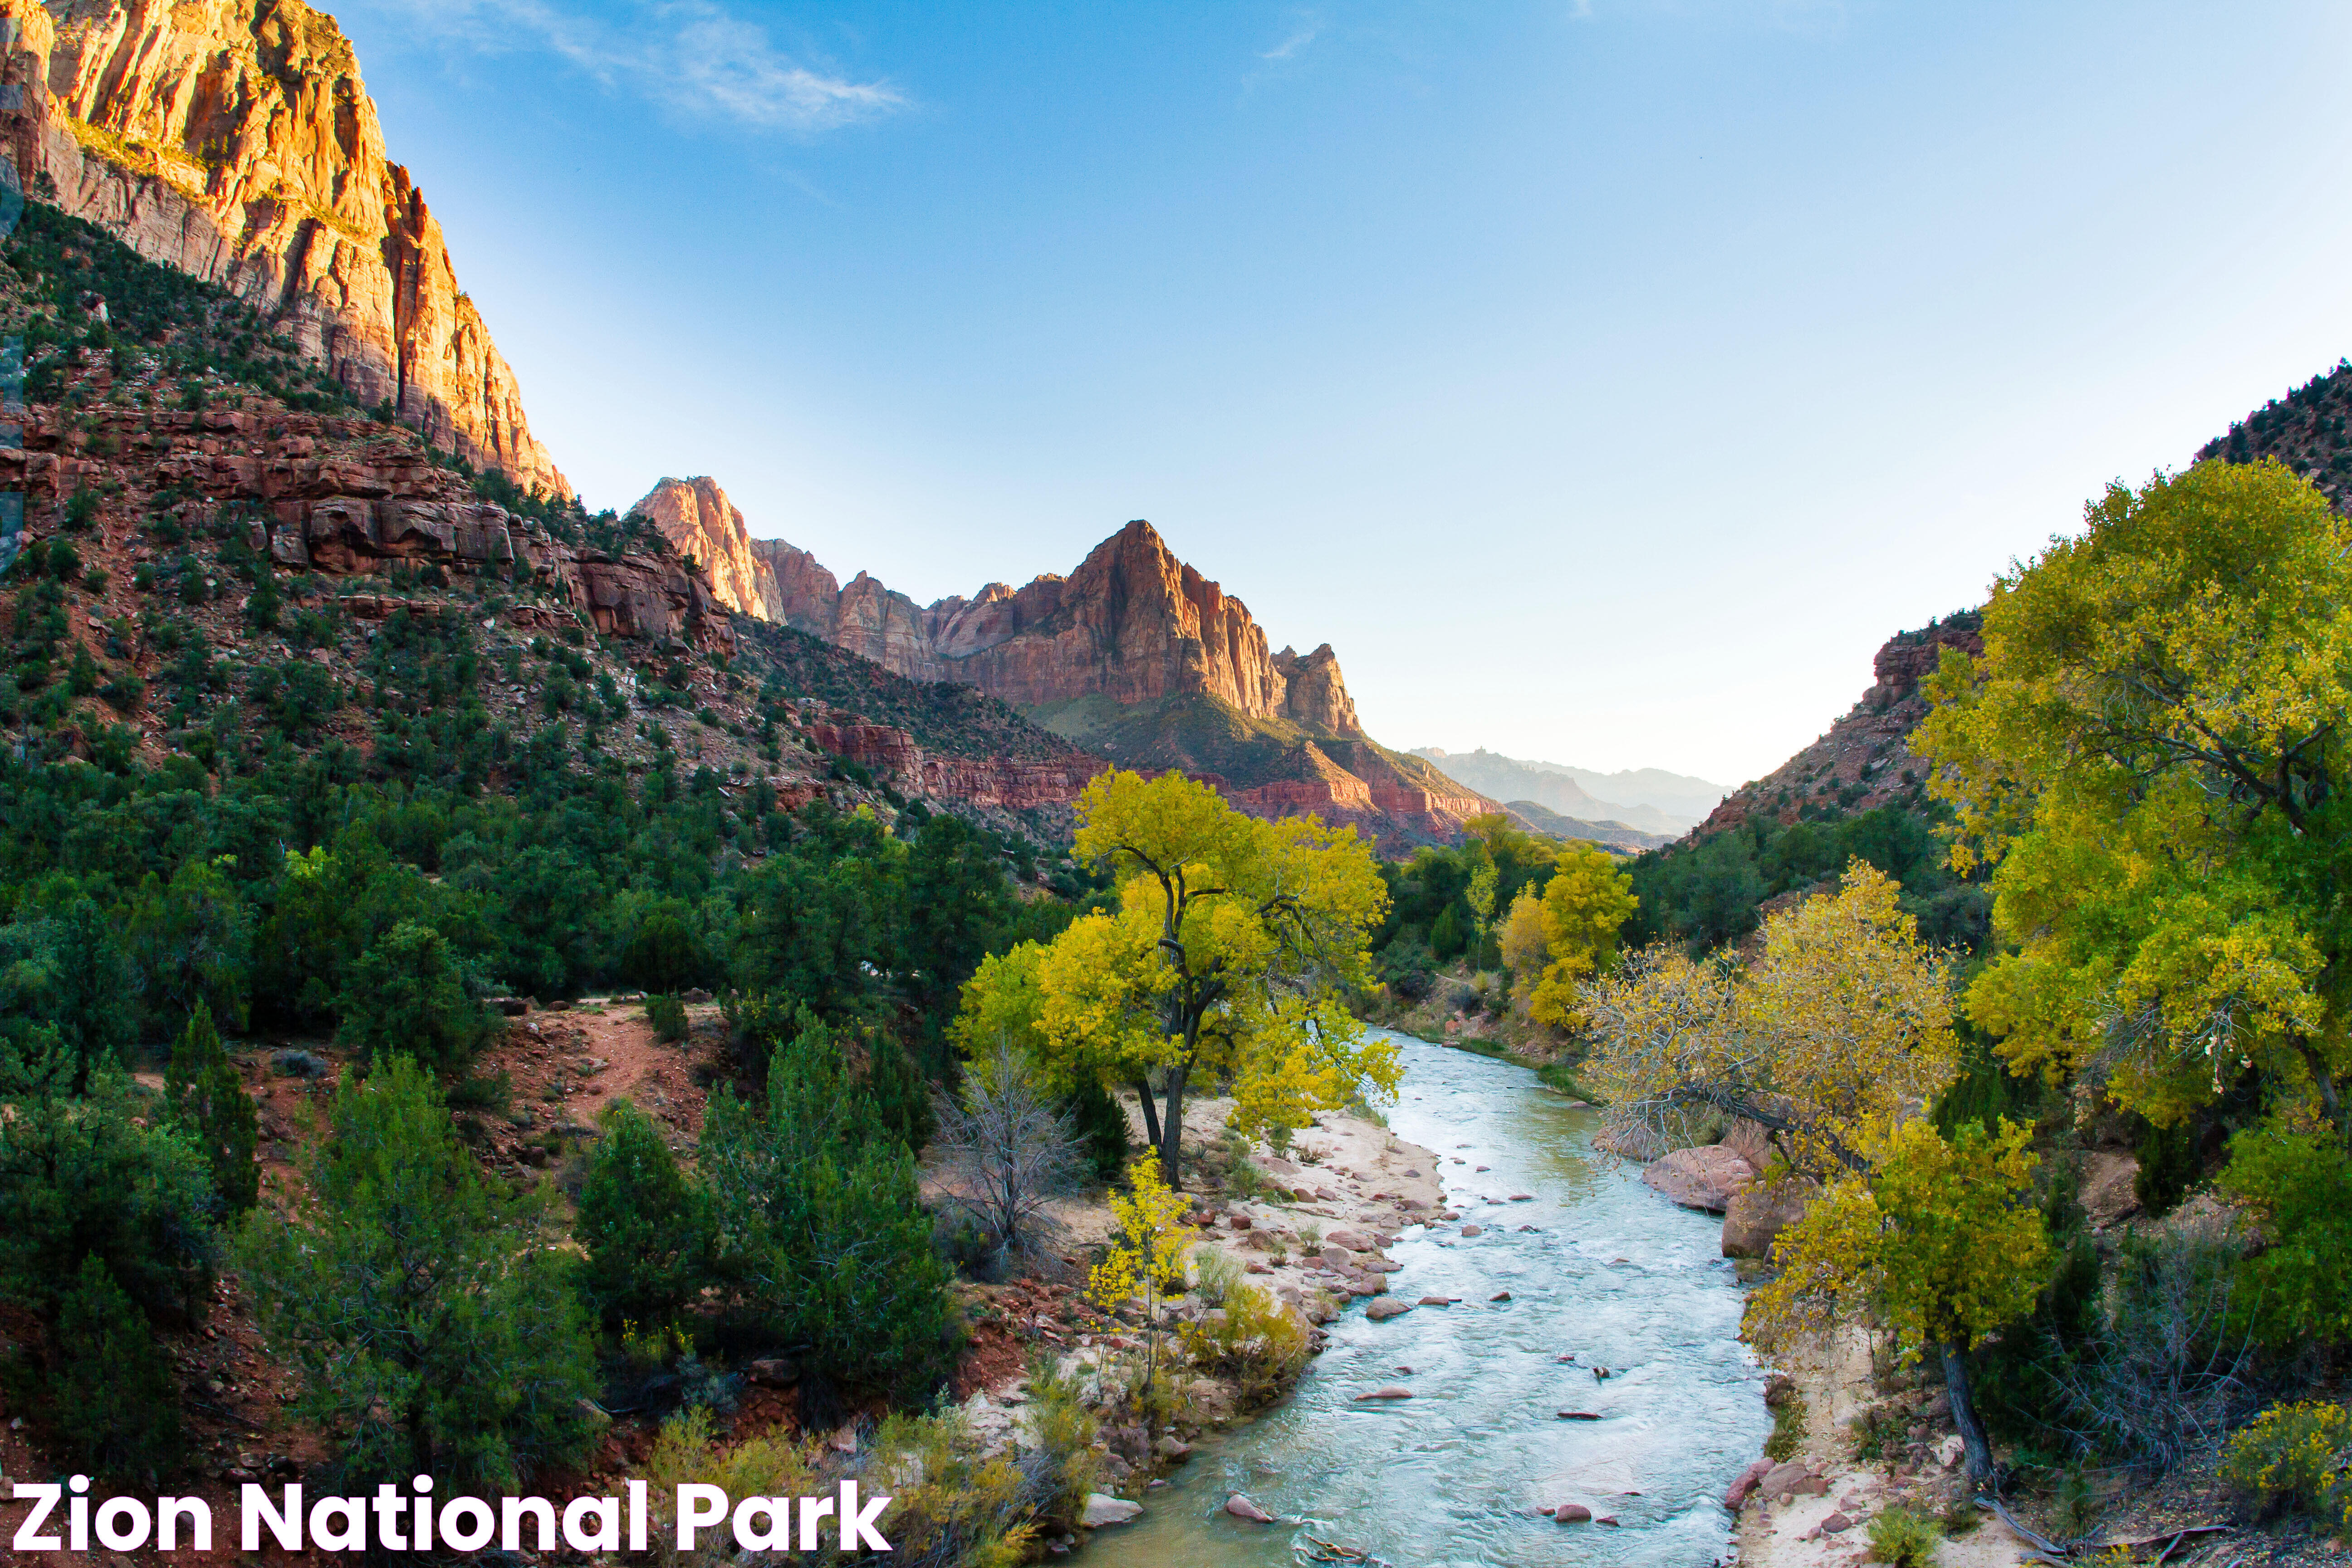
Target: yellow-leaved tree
x,y
1942,1239
1145,1260
1584,905
1233,946
1837,1032
1837,1037
2151,754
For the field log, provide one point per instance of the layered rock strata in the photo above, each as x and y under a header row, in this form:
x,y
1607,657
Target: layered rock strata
x,y
703,526
234,141
1132,623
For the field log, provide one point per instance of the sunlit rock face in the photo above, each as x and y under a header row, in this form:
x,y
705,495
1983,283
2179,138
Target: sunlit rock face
x,y
234,140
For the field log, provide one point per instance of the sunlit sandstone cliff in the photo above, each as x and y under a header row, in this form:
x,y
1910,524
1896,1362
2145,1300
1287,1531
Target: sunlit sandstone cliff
x,y
703,525
234,140
1132,623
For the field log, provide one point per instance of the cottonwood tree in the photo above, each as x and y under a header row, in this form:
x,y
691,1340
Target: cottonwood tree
x,y
1585,904
1007,1145
2150,754
1943,1240
1833,1037
1232,948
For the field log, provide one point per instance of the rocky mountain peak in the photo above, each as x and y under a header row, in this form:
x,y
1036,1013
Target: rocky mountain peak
x,y
699,521
235,139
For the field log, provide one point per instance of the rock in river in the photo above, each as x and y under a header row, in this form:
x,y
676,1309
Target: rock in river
x,y
1700,1178
1241,1507
1393,1391
1103,1509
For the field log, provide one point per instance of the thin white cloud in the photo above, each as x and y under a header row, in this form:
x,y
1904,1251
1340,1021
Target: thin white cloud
x,y
694,56
1303,34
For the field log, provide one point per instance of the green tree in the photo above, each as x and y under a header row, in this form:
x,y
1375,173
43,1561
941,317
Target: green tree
x,y
428,1312
2150,755
822,1229
1942,1240
210,1104
647,1228
109,1388
2296,1182
84,1178
193,942
405,994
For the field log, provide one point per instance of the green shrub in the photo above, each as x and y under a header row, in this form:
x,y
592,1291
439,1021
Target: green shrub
x,y
647,1229
1902,1539
825,1238
1252,1340
902,1095
1101,1125
209,1103
404,994
2299,1185
83,1178
425,1309
2295,1457
110,1387
668,1016
1788,1430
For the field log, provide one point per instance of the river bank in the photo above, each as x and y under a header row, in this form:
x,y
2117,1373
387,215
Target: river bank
x,y
1570,1339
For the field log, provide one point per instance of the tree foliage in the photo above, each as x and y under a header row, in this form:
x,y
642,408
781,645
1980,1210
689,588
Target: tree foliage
x,y
427,1310
647,1229
208,1102
1940,1239
1585,905
1838,1033
2150,755
1232,948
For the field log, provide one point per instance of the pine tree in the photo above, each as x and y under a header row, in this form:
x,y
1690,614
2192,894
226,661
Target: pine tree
x,y
647,1228
109,1385
208,1102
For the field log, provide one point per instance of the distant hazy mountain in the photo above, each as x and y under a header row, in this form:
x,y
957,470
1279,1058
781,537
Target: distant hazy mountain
x,y
1647,798
1615,837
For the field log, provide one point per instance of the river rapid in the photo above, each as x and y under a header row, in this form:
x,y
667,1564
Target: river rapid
x,y
1612,1274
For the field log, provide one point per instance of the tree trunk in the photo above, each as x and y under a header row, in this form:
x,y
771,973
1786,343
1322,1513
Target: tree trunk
x,y
1964,1412
1151,1113
1171,1136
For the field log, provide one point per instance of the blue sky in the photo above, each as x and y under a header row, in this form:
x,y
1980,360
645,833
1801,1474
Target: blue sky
x,y
1604,380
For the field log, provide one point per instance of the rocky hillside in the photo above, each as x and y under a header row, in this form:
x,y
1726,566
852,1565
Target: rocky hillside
x,y
227,568
1615,837
2305,430
234,141
1864,760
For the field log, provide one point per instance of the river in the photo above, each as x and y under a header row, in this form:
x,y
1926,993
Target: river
x,y
1612,1274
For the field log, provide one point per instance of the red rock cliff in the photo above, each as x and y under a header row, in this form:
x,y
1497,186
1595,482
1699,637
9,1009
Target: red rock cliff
x,y
703,525
234,140
1133,623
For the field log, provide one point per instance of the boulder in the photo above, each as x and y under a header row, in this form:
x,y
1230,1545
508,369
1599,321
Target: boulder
x,y
1738,1491
1793,1478
1474,1230
1347,1238
1103,1509
2109,1186
1836,1524
1631,1143
1173,1449
1393,1391
1705,1178
1758,1212
1241,1507
1387,1308
1571,1513
1751,1140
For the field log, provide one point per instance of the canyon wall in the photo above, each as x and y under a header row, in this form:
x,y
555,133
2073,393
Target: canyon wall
x,y
1864,760
701,524
1132,623
234,141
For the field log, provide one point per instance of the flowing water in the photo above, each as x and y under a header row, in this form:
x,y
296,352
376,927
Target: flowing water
x,y
1612,1274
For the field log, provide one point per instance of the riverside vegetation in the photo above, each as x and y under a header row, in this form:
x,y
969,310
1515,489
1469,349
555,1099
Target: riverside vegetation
x,y
2141,782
